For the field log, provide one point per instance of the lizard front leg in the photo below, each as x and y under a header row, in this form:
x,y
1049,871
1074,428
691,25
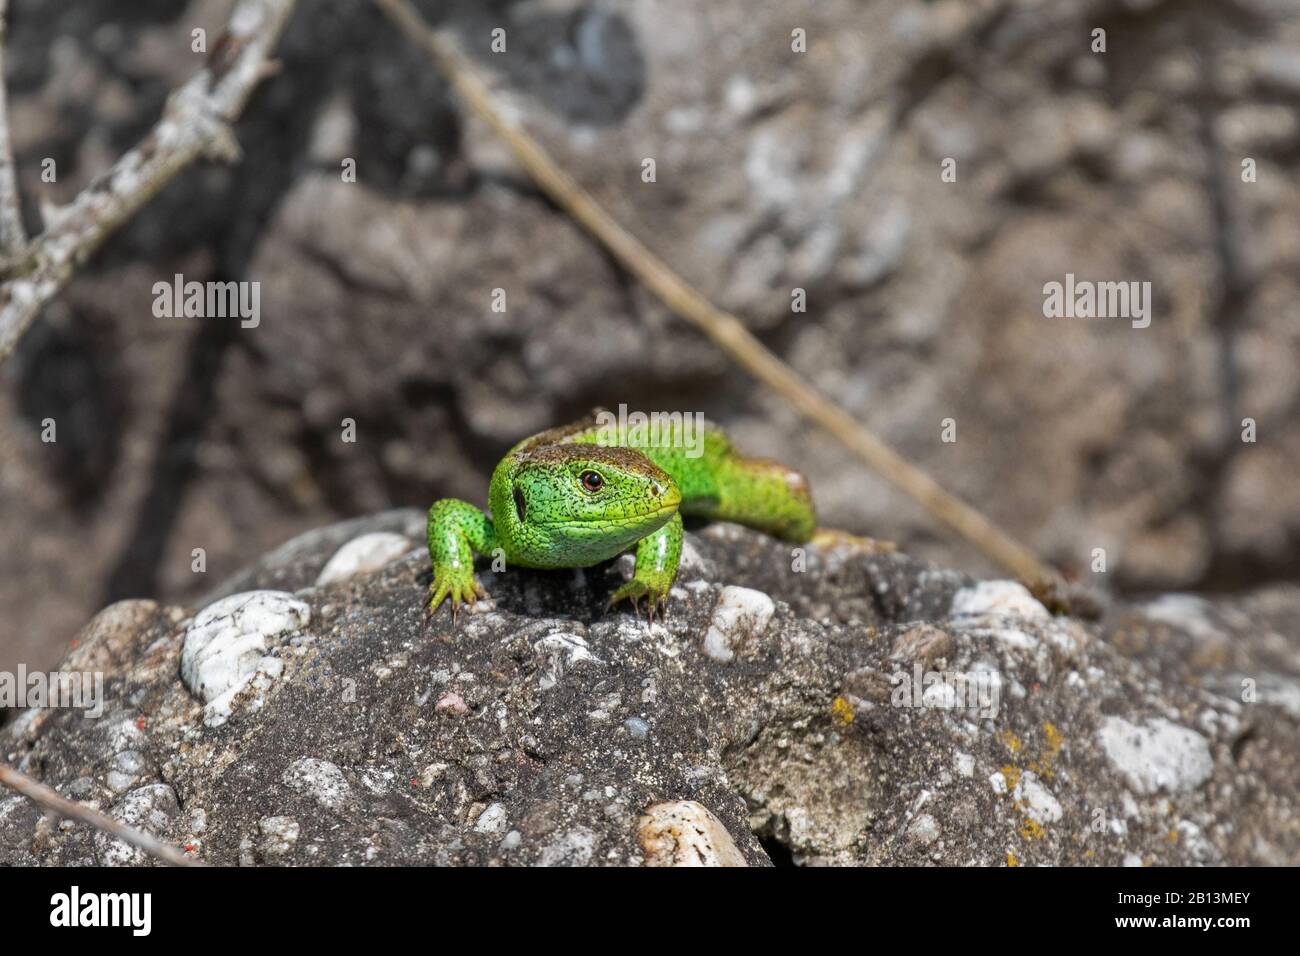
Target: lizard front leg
x,y
657,556
456,530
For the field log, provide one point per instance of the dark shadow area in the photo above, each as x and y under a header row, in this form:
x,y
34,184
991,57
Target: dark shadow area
x,y
69,373
776,851
136,571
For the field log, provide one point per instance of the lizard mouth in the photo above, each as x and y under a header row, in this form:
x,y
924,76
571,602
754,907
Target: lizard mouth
x,y
629,521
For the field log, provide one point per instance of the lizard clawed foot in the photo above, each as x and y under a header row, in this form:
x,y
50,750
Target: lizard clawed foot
x,y
454,585
655,593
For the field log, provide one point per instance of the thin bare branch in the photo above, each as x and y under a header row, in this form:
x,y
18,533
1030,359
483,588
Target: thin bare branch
x,y
12,235
51,800
196,122
725,329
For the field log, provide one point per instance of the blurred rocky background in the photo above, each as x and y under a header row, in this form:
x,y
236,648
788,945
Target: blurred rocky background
x,y
775,170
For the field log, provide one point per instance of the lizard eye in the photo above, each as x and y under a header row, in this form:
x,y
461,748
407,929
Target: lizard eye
x,y
592,481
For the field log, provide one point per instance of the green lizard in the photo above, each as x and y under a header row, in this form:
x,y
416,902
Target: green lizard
x,y
583,493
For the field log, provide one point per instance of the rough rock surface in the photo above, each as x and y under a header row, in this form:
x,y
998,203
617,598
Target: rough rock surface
x,y
775,170
543,730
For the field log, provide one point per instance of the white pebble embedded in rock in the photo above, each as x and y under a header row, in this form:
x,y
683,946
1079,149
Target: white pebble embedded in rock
x,y
225,646
574,848
741,613
562,651
1036,800
451,703
279,834
999,598
363,554
685,833
1159,755
319,779
493,820
924,830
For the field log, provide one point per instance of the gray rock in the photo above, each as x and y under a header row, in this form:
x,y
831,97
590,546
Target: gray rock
x,y
544,730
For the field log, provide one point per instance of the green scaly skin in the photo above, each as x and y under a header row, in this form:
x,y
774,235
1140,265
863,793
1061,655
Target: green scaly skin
x,y
545,514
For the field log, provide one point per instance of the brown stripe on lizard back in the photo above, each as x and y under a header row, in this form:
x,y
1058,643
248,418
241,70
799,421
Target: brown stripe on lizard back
x,y
557,435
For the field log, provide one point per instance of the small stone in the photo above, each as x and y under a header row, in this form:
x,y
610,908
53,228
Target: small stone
x,y
319,779
1036,800
685,833
129,761
924,645
225,646
562,651
451,703
1000,598
362,555
105,644
493,820
1159,755
279,834
431,774
740,614
574,848
924,830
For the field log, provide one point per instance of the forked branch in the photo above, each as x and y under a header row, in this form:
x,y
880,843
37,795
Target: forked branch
x,y
196,123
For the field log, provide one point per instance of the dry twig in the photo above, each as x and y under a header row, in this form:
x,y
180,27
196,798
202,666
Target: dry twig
x,y
52,801
725,329
196,122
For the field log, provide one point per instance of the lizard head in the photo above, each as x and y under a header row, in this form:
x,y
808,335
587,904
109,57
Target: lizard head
x,y
577,504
